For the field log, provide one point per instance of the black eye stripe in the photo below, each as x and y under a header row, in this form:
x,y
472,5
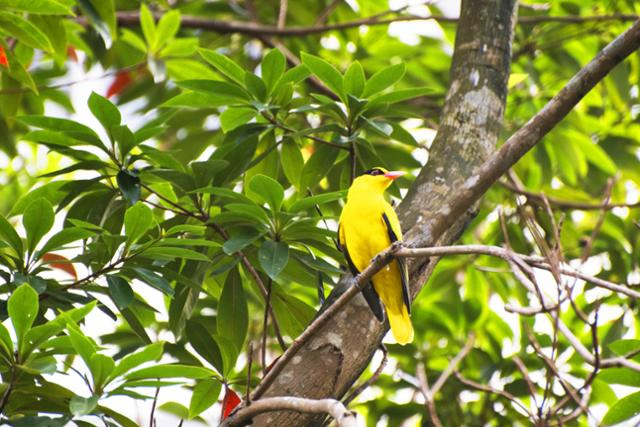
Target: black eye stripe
x,y
374,172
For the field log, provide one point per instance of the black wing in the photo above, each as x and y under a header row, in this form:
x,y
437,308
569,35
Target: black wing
x,y
402,264
368,291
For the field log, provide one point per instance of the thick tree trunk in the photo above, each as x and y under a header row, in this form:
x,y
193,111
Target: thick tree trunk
x,y
330,363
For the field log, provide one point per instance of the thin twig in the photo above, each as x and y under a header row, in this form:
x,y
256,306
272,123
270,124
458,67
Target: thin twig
x,y
453,364
428,394
322,18
489,389
152,415
265,325
527,379
282,14
362,387
568,388
247,395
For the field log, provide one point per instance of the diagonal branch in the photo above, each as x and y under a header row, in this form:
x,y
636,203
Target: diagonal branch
x,y
335,408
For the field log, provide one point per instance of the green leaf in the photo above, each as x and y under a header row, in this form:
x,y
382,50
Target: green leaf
x,y
107,114
133,40
125,138
293,314
623,409
107,14
101,367
137,220
41,7
154,280
273,65
596,155
325,72
10,237
240,239
171,253
233,315
255,86
38,335
167,28
354,79
37,219
16,26
22,308
64,237
383,79
318,199
318,166
184,47
204,344
294,75
170,370
150,353
229,353
624,346
133,320
205,171
291,161
79,405
224,65
120,291
224,92
129,185
67,127
6,344
268,190
96,11
205,394
398,96
623,376
384,129
273,257
233,117
82,344
148,25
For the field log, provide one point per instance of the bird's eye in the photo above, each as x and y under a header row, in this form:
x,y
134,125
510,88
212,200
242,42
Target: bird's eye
x,y
374,172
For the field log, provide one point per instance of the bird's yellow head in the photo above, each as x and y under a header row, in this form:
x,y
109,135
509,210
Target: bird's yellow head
x,y
375,180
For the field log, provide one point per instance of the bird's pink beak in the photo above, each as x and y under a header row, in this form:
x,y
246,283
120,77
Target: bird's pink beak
x,y
394,174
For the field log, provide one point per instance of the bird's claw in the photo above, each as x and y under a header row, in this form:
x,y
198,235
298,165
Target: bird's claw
x,y
396,245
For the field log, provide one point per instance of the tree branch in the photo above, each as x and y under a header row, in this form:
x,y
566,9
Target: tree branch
x,y
129,19
489,389
335,408
453,365
538,199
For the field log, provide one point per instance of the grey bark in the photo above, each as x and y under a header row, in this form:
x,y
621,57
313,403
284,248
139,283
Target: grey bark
x,y
330,363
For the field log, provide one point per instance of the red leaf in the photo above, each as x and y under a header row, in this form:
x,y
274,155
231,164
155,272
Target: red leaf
x,y
122,80
71,53
50,258
230,401
3,58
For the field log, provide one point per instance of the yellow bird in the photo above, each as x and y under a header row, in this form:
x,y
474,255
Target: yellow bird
x,y
368,225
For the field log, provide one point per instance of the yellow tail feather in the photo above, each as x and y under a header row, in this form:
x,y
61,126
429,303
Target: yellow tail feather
x,y
401,326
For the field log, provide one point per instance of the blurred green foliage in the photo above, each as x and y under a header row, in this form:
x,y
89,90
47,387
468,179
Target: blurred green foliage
x,y
226,178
